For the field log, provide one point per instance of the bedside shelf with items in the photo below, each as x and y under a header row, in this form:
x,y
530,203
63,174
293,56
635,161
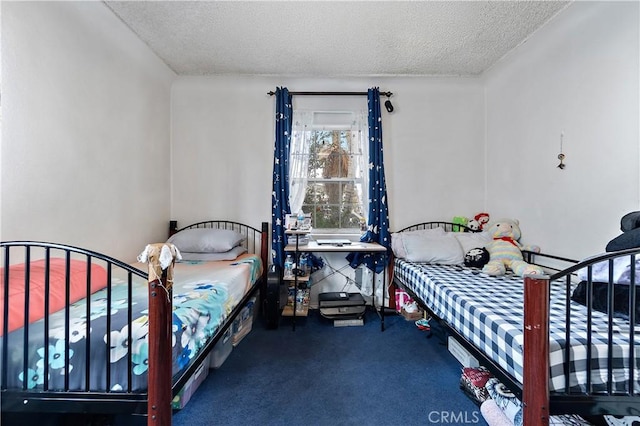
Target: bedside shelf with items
x,y
298,296
298,284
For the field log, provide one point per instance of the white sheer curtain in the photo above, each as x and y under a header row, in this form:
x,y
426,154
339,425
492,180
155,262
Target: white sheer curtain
x,y
299,158
360,147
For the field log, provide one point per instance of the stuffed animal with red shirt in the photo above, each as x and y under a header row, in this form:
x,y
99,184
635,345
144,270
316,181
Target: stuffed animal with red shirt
x,y
482,219
478,222
505,251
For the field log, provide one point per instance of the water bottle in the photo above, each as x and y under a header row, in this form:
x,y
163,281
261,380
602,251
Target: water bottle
x,y
300,301
288,267
303,264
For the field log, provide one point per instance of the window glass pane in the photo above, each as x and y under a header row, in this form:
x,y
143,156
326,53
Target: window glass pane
x,y
315,165
313,195
351,216
326,216
333,186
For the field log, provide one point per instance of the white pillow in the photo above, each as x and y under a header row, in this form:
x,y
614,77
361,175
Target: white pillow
x,y
471,240
397,243
621,271
227,255
444,249
206,240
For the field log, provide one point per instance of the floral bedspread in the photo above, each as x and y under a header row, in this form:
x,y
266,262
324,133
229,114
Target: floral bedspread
x,y
204,293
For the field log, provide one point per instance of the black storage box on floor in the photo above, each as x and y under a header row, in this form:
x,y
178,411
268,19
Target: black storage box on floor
x,y
341,305
276,297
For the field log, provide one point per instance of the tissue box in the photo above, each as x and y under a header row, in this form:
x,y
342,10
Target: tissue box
x,y
412,316
303,240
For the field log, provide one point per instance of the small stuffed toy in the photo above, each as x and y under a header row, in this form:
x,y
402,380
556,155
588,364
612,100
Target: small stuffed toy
x,y
460,220
474,225
476,257
506,252
478,222
482,219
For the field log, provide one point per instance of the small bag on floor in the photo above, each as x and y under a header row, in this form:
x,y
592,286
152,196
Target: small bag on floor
x,y
402,298
473,381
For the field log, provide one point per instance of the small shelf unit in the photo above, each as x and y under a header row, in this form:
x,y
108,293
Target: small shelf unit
x,y
302,284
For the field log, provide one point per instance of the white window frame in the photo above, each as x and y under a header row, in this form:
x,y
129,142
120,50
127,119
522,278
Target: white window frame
x,y
312,121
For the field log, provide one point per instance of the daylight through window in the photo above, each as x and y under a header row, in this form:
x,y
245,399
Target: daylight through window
x,y
328,170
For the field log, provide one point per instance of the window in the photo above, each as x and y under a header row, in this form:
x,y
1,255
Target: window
x,y
327,169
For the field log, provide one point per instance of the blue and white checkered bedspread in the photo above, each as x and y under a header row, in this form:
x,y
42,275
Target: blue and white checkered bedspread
x,y
488,311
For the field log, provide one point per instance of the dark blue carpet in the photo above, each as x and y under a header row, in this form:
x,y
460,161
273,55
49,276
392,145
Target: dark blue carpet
x,y
325,375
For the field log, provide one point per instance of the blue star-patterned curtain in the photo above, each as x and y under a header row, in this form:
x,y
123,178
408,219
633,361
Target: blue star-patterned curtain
x,y
378,219
280,195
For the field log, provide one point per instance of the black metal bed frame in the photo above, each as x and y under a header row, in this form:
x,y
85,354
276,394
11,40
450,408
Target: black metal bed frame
x,y
568,401
46,400
447,226
608,401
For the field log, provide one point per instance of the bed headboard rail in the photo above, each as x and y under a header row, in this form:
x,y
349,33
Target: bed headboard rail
x,y
447,226
256,241
254,236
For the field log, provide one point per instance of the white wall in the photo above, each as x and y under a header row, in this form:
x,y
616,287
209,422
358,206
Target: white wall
x,y
221,150
85,129
88,91
578,76
223,138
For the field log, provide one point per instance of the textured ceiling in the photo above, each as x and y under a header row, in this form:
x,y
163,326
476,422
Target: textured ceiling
x,y
333,38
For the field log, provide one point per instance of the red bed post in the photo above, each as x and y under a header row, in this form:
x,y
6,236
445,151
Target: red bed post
x,y
535,392
160,295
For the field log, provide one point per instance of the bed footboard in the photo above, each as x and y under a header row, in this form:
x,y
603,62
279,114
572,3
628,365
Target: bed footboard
x,y
611,358
48,362
160,296
535,392
40,285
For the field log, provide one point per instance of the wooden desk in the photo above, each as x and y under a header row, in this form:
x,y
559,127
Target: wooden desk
x,y
354,247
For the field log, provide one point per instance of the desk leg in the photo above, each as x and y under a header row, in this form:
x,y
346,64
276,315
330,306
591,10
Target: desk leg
x,y
380,311
384,292
295,283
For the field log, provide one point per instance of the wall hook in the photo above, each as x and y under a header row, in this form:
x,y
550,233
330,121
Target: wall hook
x,y
561,166
561,158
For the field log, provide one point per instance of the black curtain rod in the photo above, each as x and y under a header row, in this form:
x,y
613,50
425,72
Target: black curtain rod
x,y
387,94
